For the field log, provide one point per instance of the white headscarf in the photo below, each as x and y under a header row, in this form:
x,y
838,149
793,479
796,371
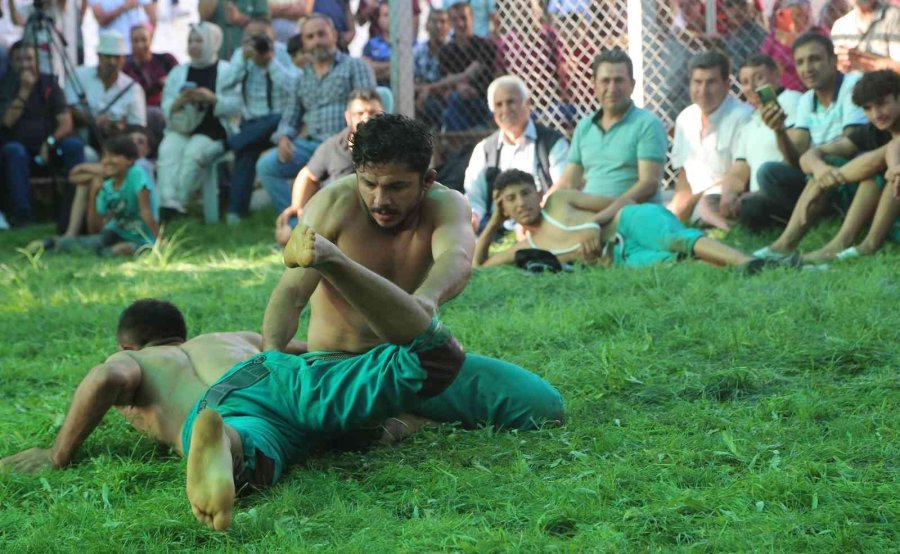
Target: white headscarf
x,y
212,40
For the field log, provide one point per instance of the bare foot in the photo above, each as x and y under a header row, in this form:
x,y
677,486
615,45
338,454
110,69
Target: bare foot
x,y
210,480
307,249
395,429
824,254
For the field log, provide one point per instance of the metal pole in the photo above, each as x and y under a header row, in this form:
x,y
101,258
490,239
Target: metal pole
x,y
711,17
402,85
635,12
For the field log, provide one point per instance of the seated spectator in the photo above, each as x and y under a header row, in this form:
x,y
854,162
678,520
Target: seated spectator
x,y
318,98
110,99
34,130
742,36
122,15
484,16
757,144
149,70
426,66
377,51
868,37
126,203
832,10
879,95
368,12
619,151
258,26
573,225
341,16
286,16
824,112
518,143
199,113
790,19
329,162
299,57
232,16
260,84
467,68
706,134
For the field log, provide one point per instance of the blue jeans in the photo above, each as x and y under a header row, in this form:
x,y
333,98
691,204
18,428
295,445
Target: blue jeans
x,y
252,140
15,167
461,114
278,177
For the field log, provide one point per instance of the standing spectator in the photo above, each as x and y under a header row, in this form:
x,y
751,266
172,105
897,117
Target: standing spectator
x,y
742,36
484,15
149,70
868,38
318,98
790,19
34,32
618,151
467,68
757,145
262,84
367,12
706,134
196,90
34,127
341,16
111,98
286,15
231,16
824,113
518,143
426,66
377,51
122,15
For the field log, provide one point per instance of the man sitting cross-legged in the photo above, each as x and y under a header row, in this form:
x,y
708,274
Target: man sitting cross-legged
x,y
878,93
575,226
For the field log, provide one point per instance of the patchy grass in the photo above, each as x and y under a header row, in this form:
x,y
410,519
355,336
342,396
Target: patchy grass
x,y
707,412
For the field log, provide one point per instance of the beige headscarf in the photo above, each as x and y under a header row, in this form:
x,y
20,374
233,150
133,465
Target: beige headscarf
x,y
212,40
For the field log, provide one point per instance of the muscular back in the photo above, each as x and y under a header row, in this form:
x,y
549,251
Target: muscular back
x,y
174,377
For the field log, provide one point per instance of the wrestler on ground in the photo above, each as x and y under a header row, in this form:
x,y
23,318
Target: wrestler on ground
x,y
393,218
575,226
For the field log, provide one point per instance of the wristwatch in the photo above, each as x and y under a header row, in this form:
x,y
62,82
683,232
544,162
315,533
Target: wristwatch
x,y
51,141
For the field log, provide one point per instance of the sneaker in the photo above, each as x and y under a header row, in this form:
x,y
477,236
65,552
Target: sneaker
x,y
211,152
4,225
848,254
767,253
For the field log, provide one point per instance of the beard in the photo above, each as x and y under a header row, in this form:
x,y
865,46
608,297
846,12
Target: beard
x,y
321,53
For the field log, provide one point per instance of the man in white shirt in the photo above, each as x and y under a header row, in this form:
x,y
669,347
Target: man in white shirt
x,y
757,144
519,143
868,37
110,98
824,113
122,15
706,134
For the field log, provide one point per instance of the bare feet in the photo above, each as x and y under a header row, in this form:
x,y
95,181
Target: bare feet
x,y
395,429
210,480
307,249
824,254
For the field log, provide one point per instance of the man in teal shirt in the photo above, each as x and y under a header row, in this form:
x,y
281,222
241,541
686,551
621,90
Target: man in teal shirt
x,y
232,16
619,151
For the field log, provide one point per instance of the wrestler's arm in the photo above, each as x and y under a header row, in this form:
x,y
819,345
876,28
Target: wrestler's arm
x,y
452,247
255,339
113,383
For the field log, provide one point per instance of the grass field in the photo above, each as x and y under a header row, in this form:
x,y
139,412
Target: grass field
x,y
706,412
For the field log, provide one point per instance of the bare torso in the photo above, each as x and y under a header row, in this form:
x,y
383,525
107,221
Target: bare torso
x,y
403,257
548,236
174,377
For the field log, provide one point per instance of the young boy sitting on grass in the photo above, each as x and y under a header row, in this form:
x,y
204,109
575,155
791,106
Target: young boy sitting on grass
x,y
878,93
126,204
577,226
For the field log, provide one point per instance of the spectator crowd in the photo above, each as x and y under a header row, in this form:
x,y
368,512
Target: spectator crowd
x,y
271,95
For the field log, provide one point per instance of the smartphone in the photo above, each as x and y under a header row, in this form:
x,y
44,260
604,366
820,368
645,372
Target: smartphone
x,y
189,85
766,94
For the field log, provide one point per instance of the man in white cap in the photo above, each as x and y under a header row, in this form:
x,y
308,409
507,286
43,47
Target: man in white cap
x,y
109,98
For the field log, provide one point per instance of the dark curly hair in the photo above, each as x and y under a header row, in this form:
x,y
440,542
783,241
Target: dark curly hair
x,y
392,138
121,145
150,320
513,177
875,85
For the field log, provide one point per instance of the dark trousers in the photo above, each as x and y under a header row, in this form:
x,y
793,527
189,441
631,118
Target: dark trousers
x,y
780,186
253,139
15,167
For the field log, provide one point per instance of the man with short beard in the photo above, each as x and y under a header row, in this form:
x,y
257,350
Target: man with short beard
x,y
318,99
519,143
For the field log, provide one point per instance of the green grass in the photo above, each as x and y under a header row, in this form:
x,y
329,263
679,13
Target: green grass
x,y
707,412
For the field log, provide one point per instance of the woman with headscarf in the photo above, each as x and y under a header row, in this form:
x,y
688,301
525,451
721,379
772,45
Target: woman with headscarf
x,y
196,116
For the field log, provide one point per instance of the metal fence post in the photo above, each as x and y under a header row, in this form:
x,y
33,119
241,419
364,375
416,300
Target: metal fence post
x,y
635,24
402,84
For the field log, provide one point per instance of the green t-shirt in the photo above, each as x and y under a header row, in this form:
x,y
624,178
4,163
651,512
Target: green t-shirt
x,y
124,209
233,34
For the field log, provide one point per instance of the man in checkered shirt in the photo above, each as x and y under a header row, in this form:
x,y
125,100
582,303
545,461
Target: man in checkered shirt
x,y
318,100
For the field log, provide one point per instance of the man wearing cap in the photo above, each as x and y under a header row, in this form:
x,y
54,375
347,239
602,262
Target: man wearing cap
x,y
110,98
868,37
